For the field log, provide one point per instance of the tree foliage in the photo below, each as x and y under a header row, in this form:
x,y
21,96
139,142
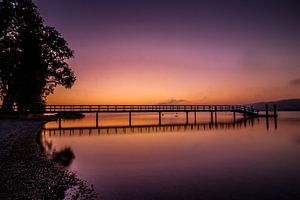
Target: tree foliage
x,y
32,57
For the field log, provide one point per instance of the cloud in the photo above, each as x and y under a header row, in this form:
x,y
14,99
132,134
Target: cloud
x,y
295,82
173,102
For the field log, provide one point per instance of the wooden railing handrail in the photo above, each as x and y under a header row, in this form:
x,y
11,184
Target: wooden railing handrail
x,y
141,107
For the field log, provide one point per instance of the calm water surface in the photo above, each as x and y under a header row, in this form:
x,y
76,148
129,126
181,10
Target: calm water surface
x,y
226,160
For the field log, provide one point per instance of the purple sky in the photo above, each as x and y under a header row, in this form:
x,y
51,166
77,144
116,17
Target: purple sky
x,y
198,51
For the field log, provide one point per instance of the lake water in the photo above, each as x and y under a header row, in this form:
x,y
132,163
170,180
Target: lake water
x,y
252,159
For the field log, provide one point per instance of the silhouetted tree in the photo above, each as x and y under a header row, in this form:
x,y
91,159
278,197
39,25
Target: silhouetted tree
x,y
33,57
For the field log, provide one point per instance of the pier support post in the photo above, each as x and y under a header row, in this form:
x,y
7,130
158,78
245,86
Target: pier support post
x,y
211,117
216,115
267,116
275,116
275,122
187,117
129,118
275,110
97,125
234,116
59,122
159,118
195,115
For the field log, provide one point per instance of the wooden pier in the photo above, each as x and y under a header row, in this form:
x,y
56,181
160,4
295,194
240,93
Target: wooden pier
x,y
246,111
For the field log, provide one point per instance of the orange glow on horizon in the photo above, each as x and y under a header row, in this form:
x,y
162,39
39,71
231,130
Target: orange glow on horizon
x,y
152,52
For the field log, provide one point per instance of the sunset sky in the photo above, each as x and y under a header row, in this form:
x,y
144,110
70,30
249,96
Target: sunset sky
x,y
155,51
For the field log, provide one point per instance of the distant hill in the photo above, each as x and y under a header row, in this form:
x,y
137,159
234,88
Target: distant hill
x,y
282,105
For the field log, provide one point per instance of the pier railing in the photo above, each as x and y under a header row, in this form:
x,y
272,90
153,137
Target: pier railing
x,y
143,108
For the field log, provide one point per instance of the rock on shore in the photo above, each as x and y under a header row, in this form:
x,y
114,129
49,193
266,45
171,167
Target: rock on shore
x,y
25,173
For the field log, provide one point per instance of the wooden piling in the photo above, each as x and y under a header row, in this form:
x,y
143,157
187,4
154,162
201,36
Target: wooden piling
x,y
216,119
187,117
97,125
275,115
234,116
159,118
275,110
129,118
59,122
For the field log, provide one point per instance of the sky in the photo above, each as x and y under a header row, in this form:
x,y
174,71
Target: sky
x,y
170,51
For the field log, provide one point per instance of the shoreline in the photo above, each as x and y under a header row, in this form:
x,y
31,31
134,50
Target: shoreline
x,y
25,171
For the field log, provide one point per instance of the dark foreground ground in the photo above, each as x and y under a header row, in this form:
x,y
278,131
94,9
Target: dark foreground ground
x,y
25,173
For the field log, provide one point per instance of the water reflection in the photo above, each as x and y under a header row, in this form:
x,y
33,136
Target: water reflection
x,y
115,129
227,159
90,130
64,156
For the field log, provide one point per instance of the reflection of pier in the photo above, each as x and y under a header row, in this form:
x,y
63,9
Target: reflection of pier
x,y
104,130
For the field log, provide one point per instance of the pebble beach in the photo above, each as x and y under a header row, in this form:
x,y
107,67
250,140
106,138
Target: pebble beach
x,y
25,171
